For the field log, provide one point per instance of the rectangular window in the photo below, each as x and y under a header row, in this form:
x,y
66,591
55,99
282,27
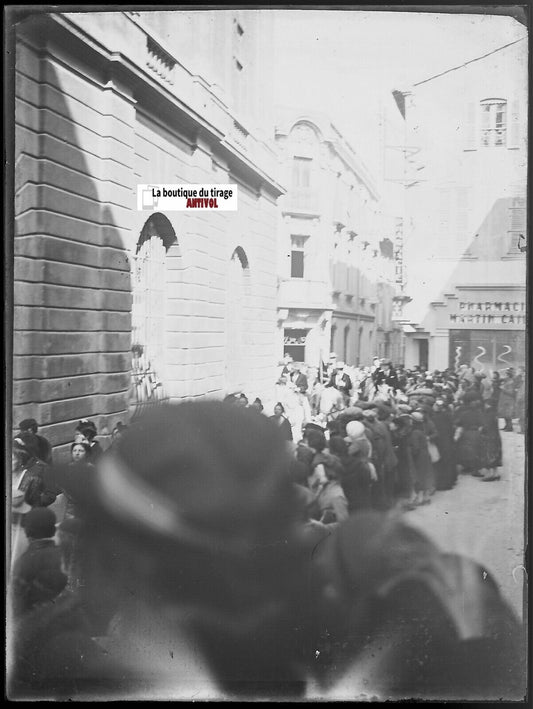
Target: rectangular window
x,y
301,172
298,242
493,123
297,264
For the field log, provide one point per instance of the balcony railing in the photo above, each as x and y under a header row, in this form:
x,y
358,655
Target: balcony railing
x,y
303,199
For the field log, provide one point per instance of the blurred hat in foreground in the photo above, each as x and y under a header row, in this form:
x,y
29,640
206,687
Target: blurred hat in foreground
x,y
202,473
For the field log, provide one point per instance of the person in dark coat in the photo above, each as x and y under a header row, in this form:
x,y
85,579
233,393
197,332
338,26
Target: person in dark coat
x,y
445,468
402,426
377,438
491,443
331,505
37,574
390,461
422,465
507,400
357,478
257,404
520,404
341,381
43,449
298,378
282,421
496,389
385,374
32,475
469,423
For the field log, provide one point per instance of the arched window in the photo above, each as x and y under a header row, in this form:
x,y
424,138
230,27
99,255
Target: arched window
x,y
493,122
148,309
359,343
346,339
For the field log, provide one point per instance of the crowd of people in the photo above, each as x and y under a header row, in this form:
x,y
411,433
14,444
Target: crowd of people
x,y
402,434
214,550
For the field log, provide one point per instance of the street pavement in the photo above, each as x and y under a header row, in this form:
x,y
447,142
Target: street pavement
x,y
485,520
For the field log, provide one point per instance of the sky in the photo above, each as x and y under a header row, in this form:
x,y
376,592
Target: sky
x,y
337,61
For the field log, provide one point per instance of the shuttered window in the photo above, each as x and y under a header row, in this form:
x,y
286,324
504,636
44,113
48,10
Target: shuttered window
x,y
493,123
517,221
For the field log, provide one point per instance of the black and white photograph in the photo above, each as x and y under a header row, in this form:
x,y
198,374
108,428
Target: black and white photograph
x,y
266,372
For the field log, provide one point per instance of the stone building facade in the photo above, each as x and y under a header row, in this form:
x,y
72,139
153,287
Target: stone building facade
x,y
106,101
336,275
465,246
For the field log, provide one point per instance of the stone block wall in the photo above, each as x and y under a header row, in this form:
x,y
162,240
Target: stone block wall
x,y
72,295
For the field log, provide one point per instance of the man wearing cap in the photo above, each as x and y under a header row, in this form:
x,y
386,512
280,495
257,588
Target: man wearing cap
x,y
341,381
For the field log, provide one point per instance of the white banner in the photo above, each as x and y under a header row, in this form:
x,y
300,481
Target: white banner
x,y
178,198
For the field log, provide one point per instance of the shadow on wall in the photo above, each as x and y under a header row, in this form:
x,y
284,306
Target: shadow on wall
x,y
72,290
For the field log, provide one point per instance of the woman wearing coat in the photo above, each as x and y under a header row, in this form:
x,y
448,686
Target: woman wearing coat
x,y
469,448
506,404
282,421
445,470
422,465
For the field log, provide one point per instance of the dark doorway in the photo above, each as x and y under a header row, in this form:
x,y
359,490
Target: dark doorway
x,y
423,350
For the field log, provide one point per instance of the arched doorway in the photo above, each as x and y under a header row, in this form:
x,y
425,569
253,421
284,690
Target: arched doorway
x,y
237,292
149,281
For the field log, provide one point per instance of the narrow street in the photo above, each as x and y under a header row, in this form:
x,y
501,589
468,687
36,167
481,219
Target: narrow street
x,y
485,521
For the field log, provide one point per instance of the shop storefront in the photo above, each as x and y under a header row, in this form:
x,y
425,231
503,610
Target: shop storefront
x,y
487,349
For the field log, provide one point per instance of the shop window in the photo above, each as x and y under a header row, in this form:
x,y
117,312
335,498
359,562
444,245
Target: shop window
x,y
493,122
294,344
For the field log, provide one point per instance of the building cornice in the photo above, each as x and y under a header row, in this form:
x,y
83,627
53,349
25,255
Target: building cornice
x,y
147,89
